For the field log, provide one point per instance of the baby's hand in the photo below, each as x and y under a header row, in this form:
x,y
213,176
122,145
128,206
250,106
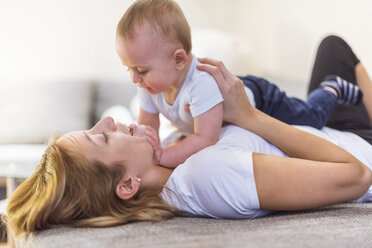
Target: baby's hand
x,y
153,139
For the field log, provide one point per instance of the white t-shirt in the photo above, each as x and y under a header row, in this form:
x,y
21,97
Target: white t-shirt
x,y
218,181
199,90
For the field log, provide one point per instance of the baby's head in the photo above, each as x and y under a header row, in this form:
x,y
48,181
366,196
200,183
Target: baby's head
x,y
153,40
164,18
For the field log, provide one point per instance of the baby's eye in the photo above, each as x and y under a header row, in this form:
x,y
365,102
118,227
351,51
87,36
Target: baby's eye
x,y
141,72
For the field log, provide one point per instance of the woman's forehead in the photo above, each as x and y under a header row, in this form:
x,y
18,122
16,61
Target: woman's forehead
x,y
79,141
73,139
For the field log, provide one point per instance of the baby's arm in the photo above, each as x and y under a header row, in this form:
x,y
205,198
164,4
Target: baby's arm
x,y
207,127
149,119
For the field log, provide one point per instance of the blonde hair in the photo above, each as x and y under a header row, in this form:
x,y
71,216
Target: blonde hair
x,y
163,16
68,189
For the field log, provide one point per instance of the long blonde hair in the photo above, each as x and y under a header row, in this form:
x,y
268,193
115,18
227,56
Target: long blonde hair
x,y
163,16
68,189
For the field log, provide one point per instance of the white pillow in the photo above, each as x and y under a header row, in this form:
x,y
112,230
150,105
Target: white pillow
x,y
31,112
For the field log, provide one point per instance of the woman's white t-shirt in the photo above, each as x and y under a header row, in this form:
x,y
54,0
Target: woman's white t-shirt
x,y
218,181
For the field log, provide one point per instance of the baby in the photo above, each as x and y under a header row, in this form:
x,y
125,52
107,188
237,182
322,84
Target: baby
x,y
153,40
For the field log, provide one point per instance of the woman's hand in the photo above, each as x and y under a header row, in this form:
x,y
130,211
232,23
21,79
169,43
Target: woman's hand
x,y
236,104
153,139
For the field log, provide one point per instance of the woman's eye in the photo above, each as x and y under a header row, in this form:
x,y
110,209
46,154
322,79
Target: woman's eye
x,y
105,136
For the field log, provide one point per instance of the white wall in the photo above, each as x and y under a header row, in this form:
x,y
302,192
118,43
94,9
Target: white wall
x,y
53,39
75,38
284,34
59,38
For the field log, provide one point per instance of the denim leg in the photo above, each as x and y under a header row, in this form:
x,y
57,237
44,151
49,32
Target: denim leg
x,y
274,102
323,103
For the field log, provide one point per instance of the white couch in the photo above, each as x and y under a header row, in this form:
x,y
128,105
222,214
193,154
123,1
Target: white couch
x,y
31,112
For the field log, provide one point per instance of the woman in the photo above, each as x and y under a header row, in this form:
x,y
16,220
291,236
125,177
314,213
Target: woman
x,y
106,175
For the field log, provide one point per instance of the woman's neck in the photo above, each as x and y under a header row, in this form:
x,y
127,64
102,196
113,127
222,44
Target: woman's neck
x,y
156,177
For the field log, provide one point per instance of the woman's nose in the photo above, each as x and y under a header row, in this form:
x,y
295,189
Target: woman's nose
x,y
108,123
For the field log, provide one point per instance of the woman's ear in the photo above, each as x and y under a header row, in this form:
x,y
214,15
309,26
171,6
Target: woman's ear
x,y
180,58
127,188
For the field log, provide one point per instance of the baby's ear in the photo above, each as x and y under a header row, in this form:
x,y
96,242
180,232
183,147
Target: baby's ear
x,y
180,58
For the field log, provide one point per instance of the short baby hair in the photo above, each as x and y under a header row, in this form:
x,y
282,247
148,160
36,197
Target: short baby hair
x,y
165,17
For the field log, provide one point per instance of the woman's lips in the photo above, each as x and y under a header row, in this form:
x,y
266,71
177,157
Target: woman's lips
x,y
137,130
133,129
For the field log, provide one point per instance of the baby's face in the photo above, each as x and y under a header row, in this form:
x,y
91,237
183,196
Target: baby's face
x,y
149,60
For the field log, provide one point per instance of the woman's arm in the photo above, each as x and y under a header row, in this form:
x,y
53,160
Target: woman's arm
x,y
298,184
319,172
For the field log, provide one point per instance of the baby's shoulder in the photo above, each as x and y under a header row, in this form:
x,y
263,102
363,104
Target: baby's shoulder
x,y
200,82
199,75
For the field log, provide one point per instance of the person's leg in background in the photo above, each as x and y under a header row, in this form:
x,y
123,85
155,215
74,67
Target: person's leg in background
x,y
334,56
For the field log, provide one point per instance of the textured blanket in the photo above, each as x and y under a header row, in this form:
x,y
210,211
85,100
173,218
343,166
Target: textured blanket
x,y
343,225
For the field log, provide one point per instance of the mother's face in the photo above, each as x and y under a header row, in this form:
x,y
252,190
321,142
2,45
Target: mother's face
x,y
111,142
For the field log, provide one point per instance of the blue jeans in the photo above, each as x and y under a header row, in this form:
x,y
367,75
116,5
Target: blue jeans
x,y
271,100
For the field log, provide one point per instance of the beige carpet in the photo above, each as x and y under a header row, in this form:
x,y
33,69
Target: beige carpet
x,y
344,225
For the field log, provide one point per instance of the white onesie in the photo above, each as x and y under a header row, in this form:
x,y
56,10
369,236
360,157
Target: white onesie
x,y
199,90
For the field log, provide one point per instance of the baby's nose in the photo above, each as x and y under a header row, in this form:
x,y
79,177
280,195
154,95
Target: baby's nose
x,y
139,83
136,80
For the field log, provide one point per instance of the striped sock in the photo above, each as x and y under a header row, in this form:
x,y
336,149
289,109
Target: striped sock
x,y
347,92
